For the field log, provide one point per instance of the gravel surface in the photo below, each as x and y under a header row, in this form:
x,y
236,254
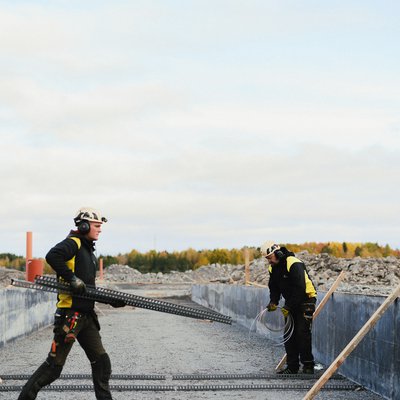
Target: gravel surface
x,y
147,342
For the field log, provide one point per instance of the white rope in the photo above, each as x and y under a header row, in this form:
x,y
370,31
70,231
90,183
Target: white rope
x,y
281,334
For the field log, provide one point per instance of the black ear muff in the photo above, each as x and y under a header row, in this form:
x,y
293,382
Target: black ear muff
x,y
279,254
84,227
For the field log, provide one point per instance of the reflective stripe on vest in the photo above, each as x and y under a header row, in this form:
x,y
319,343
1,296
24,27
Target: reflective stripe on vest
x,y
65,300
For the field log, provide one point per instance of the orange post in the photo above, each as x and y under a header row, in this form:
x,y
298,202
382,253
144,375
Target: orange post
x,y
101,269
35,267
28,252
246,266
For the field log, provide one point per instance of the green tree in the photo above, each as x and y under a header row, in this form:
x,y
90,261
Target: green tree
x,y
220,256
9,260
326,249
109,260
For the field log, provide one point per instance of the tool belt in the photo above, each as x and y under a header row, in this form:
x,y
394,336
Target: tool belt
x,y
72,325
68,323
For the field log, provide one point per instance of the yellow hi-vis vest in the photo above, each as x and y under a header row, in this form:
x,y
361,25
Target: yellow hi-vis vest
x,y
310,289
65,300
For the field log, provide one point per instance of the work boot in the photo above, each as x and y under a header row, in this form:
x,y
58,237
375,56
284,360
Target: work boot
x,y
308,370
287,371
43,376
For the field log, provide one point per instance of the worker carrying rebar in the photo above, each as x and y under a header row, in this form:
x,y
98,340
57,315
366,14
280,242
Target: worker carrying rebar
x,y
74,262
288,278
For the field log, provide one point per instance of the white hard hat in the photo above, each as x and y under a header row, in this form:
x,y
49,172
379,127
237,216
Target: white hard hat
x,y
268,248
88,214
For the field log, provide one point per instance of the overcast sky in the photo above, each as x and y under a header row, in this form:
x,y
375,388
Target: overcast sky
x,y
200,123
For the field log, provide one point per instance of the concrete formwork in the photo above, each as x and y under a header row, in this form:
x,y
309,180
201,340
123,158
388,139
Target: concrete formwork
x,y
375,363
23,311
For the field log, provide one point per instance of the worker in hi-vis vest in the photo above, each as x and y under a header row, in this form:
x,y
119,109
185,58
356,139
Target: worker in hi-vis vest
x,y
288,278
75,263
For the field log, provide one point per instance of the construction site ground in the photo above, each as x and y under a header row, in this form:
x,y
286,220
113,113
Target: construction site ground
x,y
145,342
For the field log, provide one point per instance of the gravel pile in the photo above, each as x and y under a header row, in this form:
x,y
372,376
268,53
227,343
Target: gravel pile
x,y
6,274
374,276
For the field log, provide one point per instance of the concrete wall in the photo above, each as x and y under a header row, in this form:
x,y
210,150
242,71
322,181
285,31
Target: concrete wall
x,y
23,311
375,363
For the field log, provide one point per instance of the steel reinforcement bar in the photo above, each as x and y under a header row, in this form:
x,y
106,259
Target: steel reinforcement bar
x,y
145,302
151,377
108,296
184,388
183,377
200,377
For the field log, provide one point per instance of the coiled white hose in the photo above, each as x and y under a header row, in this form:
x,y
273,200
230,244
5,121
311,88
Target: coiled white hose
x,y
279,335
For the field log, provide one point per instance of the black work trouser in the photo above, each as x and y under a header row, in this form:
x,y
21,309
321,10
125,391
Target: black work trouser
x,y
299,346
86,330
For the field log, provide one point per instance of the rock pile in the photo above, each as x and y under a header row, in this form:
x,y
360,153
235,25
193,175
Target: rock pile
x,y
375,276
6,274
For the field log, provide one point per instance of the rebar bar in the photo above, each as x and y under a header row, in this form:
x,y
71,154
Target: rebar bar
x,y
138,377
109,296
184,377
143,302
186,388
250,376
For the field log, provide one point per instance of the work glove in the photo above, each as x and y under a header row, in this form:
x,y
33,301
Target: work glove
x,y
117,303
272,307
285,311
77,285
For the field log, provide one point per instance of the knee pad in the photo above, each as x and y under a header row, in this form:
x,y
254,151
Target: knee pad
x,y
51,372
105,360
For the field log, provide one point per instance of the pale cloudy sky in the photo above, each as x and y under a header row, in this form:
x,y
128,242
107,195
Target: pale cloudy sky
x,y
199,123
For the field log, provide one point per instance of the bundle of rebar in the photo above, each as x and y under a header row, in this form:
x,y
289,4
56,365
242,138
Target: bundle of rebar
x,y
109,296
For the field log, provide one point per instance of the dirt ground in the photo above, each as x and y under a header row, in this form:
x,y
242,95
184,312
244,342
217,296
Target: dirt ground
x,y
141,341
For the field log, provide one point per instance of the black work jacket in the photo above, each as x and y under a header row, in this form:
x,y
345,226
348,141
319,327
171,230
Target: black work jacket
x,y
74,256
289,278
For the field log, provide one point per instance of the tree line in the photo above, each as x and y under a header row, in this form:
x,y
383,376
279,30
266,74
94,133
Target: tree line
x,y
164,261
190,259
